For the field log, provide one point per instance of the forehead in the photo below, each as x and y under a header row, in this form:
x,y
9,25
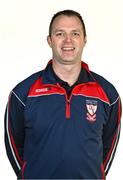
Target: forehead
x,y
64,21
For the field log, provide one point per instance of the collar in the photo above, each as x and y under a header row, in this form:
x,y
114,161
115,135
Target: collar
x,y
49,76
81,79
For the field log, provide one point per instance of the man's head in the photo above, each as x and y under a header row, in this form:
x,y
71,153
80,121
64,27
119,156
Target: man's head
x,y
67,37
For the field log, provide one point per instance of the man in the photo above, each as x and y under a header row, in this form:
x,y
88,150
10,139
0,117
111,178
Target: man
x,y
63,122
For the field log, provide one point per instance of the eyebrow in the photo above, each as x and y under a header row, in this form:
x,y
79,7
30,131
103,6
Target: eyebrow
x,y
57,30
61,30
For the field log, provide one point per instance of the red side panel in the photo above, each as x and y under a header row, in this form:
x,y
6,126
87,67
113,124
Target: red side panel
x,y
92,89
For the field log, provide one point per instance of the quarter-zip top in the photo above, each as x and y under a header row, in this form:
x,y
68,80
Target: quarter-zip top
x,y
52,136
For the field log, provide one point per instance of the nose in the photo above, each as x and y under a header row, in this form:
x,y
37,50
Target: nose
x,y
67,38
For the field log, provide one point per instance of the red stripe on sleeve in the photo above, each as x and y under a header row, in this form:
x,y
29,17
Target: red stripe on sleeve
x,y
12,139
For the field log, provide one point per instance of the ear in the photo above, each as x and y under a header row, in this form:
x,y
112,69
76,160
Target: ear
x,y
49,40
85,40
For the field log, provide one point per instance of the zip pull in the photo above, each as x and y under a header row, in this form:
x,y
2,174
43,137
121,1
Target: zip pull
x,y
68,100
68,108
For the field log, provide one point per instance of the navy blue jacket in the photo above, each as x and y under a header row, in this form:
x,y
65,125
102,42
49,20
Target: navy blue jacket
x,y
51,136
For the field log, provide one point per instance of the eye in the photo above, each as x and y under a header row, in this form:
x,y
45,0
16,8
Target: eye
x,y
76,34
59,34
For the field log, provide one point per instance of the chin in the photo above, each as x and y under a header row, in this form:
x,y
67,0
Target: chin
x,y
66,59
68,62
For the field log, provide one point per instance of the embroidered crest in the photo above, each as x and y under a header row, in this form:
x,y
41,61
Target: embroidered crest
x,y
91,110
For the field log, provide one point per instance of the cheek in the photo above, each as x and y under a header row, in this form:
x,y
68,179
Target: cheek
x,y
56,45
55,48
82,45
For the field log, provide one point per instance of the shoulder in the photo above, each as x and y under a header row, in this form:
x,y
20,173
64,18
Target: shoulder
x,y
23,87
107,86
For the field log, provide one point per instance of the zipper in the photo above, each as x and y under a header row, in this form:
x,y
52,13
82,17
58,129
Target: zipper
x,y
68,100
67,107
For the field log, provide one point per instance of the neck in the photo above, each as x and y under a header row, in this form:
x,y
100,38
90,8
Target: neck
x,y
68,73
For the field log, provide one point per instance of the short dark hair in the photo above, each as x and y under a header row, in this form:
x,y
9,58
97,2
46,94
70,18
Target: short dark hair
x,y
67,13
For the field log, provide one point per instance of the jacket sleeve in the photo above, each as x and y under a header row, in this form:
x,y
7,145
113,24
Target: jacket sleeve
x,y
14,131
111,134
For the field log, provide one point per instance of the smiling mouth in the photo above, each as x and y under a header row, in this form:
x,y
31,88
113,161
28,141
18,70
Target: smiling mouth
x,y
68,48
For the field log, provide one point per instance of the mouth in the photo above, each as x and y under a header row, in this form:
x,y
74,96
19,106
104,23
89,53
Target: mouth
x,y
68,49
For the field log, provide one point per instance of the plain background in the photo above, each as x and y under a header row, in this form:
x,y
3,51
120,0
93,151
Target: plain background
x,y
24,50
